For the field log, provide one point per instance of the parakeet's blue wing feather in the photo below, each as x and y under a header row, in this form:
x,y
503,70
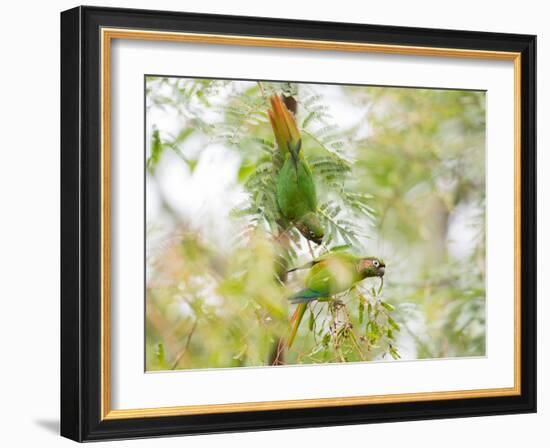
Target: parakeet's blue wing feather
x,y
304,296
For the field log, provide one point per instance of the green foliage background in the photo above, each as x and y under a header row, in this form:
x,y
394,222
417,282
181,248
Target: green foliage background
x,y
401,176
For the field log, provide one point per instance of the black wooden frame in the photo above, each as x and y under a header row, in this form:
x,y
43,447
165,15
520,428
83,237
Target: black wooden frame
x,y
81,214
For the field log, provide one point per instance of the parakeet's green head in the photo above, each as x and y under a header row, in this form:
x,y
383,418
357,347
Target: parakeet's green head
x,y
371,267
311,228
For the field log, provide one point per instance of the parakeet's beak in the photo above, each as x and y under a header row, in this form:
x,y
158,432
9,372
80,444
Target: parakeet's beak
x,y
317,239
311,228
381,269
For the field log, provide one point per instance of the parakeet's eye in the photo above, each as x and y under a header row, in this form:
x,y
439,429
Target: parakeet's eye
x,y
376,263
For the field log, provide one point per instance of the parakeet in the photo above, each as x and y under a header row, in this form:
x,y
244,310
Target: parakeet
x,y
295,187
330,274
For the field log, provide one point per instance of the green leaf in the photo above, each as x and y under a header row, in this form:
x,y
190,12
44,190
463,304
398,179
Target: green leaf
x,y
393,324
393,352
192,164
244,172
156,150
308,119
159,354
241,353
183,135
386,305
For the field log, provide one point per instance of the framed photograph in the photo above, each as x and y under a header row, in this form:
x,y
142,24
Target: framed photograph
x,y
274,223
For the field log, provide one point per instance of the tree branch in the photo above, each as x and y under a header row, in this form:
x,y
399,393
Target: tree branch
x,y
184,350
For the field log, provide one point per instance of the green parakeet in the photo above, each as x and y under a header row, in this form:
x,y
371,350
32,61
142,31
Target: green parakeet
x,y
330,274
295,187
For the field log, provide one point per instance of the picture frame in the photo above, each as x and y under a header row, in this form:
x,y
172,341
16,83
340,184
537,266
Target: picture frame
x,y
87,35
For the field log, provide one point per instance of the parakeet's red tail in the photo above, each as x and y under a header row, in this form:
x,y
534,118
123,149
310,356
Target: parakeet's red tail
x,y
295,320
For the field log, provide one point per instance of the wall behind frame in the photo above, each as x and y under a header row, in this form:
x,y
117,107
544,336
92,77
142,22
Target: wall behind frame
x,y
29,228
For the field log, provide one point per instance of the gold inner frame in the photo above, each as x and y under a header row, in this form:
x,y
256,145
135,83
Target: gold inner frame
x,y
107,35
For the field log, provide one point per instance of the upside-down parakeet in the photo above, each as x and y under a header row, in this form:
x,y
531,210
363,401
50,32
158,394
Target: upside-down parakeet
x,y
295,187
330,274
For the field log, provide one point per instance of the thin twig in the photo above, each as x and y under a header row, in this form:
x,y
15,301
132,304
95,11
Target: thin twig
x,y
351,333
261,88
354,340
310,250
279,354
184,350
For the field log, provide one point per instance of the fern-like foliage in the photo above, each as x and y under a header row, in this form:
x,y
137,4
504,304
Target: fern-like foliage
x,y
329,153
237,118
